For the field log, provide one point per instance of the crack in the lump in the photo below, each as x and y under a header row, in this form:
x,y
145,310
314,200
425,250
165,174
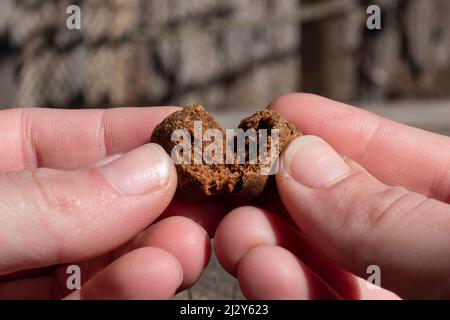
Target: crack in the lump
x,y
198,181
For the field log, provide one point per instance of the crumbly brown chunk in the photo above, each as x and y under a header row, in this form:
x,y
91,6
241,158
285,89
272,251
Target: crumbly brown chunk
x,y
200,181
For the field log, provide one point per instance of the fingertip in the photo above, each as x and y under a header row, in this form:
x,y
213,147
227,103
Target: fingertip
x,y
272,272
311,161
297,99
185,240
142,170
144,273
240,230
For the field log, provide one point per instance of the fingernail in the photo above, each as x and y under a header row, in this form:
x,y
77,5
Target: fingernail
x,y
139,171
314,163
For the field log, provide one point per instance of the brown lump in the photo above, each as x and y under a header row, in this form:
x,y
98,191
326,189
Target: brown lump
x,y
201,181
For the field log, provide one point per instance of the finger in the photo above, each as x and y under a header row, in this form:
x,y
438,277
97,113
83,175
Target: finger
x,y
52,216
69,139
207,214
358,221
181,237
145,273
394,153
271,272
249,227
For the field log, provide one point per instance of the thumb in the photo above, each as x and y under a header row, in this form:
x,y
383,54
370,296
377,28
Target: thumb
x,y
52,216
358,221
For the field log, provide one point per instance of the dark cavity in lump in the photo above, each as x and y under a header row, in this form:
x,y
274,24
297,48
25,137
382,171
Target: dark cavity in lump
x,y
201,181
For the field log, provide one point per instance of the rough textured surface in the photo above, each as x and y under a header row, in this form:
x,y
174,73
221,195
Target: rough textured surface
x,y
250,181
198,181
152,52
195,181
159,52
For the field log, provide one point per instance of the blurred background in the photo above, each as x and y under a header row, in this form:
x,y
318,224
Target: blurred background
x,y
232,56
225,54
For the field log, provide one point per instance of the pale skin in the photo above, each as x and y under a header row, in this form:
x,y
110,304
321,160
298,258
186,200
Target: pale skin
x,y
79,186
76,212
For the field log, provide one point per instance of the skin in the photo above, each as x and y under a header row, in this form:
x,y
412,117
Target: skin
x,y
390,209
58,206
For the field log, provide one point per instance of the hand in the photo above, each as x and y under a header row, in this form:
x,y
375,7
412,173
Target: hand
x,y
384,203
78,187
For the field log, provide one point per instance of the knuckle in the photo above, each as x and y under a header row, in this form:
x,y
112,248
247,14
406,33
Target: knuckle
x,y
29,215
365,201
58,210
391,203
368,209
